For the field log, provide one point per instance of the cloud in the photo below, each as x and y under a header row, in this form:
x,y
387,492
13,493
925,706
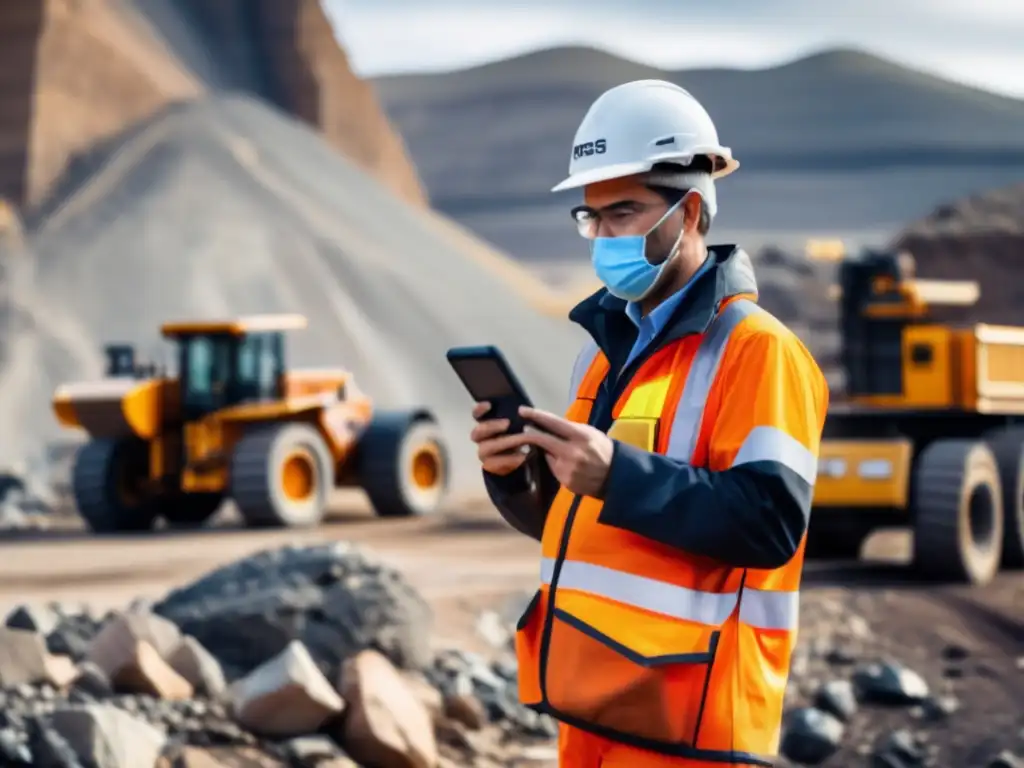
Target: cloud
x,y
975,41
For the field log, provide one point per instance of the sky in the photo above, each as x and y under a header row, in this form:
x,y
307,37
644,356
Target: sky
x,y
978,42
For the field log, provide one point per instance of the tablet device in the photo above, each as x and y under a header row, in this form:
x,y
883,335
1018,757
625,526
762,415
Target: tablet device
x,y
487,376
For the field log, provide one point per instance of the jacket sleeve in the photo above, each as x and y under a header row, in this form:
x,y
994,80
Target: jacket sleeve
x,y
751,507
523,497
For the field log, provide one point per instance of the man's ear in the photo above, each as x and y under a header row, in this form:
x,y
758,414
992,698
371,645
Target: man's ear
x,y
691,211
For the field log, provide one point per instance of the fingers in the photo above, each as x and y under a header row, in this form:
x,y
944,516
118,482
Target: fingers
x,y
499,445
504,464
550,444
480,410
549,422
485,430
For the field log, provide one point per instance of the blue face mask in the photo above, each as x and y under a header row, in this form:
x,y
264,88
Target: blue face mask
x,y
621,262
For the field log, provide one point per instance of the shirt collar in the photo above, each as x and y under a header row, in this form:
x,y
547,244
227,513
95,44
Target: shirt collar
x,y
667,307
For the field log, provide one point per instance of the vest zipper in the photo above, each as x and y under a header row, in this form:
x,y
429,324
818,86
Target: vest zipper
x,y
549,615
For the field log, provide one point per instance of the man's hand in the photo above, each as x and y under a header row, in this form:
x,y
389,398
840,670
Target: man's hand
x,y
499,453
579,455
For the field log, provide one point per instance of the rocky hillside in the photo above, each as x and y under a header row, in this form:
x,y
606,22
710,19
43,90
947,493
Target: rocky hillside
x,y
842,142
83,70
978,238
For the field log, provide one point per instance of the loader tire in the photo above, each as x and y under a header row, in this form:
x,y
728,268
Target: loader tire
x,y
107,484
281,476
958,515
402,465
1008,448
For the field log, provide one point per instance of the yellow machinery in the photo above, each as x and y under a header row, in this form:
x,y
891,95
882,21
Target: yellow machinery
x,y
930,432
235,424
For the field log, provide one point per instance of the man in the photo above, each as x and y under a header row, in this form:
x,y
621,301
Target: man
x,y
672,500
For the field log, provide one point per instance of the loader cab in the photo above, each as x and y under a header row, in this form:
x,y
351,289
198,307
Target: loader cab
x,y
226,364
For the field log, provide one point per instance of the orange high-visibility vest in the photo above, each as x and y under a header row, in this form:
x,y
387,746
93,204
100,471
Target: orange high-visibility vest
x,y
641,642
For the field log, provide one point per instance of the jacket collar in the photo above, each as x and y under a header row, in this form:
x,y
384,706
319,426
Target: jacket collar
x,y
730,274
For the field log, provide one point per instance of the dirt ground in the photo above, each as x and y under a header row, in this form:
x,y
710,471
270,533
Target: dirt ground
x,y
467,562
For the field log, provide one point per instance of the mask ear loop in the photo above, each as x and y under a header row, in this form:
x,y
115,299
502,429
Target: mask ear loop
x,y
682,230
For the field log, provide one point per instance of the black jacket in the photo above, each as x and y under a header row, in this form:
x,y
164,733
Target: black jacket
x,y
760,510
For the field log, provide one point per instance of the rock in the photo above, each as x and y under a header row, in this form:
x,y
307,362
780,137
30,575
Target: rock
x,y
285,697
491,628
312,751
898,749
145,672
427,694
837,697
24,659
937,708
1006,759
191,757
13,751
92,683
889,682
955,652
810,736
102,735
386,726
49,748
334,598
466,709
116,645
198,666
73,635
34,618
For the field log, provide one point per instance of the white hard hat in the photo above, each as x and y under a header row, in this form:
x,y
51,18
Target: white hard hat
x,y
633,126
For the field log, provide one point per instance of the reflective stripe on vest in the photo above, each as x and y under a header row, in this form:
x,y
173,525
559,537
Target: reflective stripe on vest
x,y
764,609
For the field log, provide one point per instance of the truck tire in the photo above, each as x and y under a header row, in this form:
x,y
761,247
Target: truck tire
x,y
106,482
402,465
834,542
281,476
1008,448
958,512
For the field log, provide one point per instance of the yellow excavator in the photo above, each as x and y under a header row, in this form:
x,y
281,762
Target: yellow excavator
x,y
930,429
235,424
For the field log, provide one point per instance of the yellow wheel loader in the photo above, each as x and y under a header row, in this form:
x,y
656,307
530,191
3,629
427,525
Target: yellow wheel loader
x,y
929,434
235,425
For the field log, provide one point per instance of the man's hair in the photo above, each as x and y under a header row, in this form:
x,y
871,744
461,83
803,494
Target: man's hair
x,y
673,195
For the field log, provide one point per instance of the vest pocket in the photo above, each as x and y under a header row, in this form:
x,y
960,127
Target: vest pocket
x,y
529,629
647,686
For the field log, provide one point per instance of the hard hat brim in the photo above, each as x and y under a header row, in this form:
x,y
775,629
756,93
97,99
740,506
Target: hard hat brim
x,y
604,173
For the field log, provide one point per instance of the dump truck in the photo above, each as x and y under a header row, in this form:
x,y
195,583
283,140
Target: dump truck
x,y
929,431
235,424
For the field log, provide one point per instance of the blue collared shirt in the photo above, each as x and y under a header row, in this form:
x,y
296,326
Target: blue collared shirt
x,y
658,317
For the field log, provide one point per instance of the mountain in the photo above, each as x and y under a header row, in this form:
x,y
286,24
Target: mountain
x,y
78,72
839,143
224,205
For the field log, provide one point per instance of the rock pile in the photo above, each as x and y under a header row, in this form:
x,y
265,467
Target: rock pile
x,y
26,500
851,701
313,656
